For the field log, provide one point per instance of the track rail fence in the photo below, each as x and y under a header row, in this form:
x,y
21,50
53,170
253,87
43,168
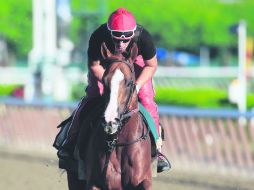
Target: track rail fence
x,y
219,139
207,138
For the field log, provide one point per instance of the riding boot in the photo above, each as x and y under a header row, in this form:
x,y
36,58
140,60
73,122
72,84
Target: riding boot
x,y
163,162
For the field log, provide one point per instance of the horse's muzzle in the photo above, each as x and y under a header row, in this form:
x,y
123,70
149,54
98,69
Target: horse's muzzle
x,y
111,127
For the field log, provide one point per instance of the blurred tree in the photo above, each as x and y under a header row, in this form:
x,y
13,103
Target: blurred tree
x,y
186,25
16,25
87,16
174,24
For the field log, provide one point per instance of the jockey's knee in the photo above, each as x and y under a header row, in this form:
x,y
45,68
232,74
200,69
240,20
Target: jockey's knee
x,y
146,96
147,91
147,100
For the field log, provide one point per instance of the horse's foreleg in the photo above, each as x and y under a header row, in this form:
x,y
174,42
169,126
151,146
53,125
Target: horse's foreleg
x,y
145,185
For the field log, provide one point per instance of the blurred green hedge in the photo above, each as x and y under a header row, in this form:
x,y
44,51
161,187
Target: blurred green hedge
x,y
194,97
200,97
197,97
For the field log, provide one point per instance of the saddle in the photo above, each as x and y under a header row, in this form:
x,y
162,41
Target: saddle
x,y
147,118
65,144
93,107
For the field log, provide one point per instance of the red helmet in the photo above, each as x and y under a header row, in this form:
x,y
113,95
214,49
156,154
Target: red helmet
x,y
121,20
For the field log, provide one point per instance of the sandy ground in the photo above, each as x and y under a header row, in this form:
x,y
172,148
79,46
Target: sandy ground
x,y
26,172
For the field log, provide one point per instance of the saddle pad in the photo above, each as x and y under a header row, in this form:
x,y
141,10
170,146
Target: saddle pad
x,y
148,118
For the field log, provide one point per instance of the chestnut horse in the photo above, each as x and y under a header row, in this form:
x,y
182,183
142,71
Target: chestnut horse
x,y
118,155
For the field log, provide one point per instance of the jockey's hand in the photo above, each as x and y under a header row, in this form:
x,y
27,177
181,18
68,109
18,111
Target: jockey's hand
x,y
137,88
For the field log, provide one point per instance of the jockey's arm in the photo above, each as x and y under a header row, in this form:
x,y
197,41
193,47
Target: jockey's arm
x,y
148,71
96,68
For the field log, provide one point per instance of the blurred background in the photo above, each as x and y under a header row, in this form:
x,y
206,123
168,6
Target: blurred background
x,y
204,86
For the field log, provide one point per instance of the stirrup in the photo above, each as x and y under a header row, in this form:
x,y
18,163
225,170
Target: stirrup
x,y
163,163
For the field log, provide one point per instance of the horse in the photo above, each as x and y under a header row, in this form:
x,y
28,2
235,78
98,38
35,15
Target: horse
x,y
118,154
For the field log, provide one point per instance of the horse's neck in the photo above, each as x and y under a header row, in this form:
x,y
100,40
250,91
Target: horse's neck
x,y
134,123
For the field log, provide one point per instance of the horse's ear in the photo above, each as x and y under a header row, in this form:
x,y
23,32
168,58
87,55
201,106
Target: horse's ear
x,y
105,51
133,52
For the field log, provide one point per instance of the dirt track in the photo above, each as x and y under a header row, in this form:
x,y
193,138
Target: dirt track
x,y
23,172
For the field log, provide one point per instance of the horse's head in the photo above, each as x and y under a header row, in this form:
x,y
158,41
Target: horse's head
x,y
119,87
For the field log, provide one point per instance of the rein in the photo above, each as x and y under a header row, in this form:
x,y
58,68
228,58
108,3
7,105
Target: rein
x,y
143,137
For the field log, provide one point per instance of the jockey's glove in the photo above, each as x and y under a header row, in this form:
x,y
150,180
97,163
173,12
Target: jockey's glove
x,y
137,88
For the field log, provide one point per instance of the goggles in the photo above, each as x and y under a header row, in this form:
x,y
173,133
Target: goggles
x,y
122,35
117,41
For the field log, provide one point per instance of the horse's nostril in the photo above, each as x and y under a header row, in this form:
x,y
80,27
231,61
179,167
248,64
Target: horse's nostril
x,y
111,127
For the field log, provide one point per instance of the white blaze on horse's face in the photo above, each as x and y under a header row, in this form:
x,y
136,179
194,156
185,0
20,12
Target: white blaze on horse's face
x,y
111,110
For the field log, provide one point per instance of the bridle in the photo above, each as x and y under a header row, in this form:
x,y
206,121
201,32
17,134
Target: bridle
x,y
112,140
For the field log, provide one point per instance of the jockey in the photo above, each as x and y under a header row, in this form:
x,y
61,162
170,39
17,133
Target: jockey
x,y
119,34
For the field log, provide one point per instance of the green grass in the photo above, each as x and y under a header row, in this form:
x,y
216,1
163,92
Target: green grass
x,y
197,97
